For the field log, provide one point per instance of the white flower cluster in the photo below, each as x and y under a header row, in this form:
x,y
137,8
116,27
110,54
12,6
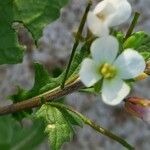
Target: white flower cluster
x,y
105,63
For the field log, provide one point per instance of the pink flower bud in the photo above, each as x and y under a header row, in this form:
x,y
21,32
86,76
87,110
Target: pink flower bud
x,y
138,107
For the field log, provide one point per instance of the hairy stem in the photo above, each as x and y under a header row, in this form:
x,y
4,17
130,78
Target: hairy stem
x,y
96,127
77,40
54,94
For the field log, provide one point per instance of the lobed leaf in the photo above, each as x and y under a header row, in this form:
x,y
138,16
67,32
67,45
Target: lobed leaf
x,y
33,14
59,124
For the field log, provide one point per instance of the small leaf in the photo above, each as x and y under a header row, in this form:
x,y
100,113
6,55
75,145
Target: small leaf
x,y
72,118
135,41
139,41
58,128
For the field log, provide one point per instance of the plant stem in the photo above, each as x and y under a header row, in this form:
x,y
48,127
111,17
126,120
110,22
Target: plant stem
x,y
132,25
72,86
77,40
108,133
96,127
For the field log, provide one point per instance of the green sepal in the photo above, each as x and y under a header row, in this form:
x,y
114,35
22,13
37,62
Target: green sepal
x,y
135,40
146,55
98,86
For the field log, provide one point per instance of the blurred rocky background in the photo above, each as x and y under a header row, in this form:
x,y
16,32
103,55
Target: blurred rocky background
x,y
54,51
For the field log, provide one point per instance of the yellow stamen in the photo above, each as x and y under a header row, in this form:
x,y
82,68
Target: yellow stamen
x,y
107,71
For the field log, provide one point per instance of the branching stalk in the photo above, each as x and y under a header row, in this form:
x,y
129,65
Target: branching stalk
x,y
51,95
96,127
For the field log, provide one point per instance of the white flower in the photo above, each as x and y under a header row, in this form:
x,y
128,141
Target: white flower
x,y
112,69
108,13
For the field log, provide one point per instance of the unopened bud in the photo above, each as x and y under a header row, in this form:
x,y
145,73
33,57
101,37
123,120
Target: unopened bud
x,y
142,76
138,107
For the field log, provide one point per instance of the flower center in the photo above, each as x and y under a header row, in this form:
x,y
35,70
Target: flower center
x,y
108,71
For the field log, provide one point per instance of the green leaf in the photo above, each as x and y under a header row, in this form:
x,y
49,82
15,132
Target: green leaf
x,y
36,14
72,118
42,78
29,138
17,98
33,14
135,41
59,130
145,44
43,82
146,55
14,137
139,41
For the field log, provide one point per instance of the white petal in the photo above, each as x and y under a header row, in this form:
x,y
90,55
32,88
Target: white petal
x,y
114,91
104,8
89,72
105,49
130,64
96,26
122,12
